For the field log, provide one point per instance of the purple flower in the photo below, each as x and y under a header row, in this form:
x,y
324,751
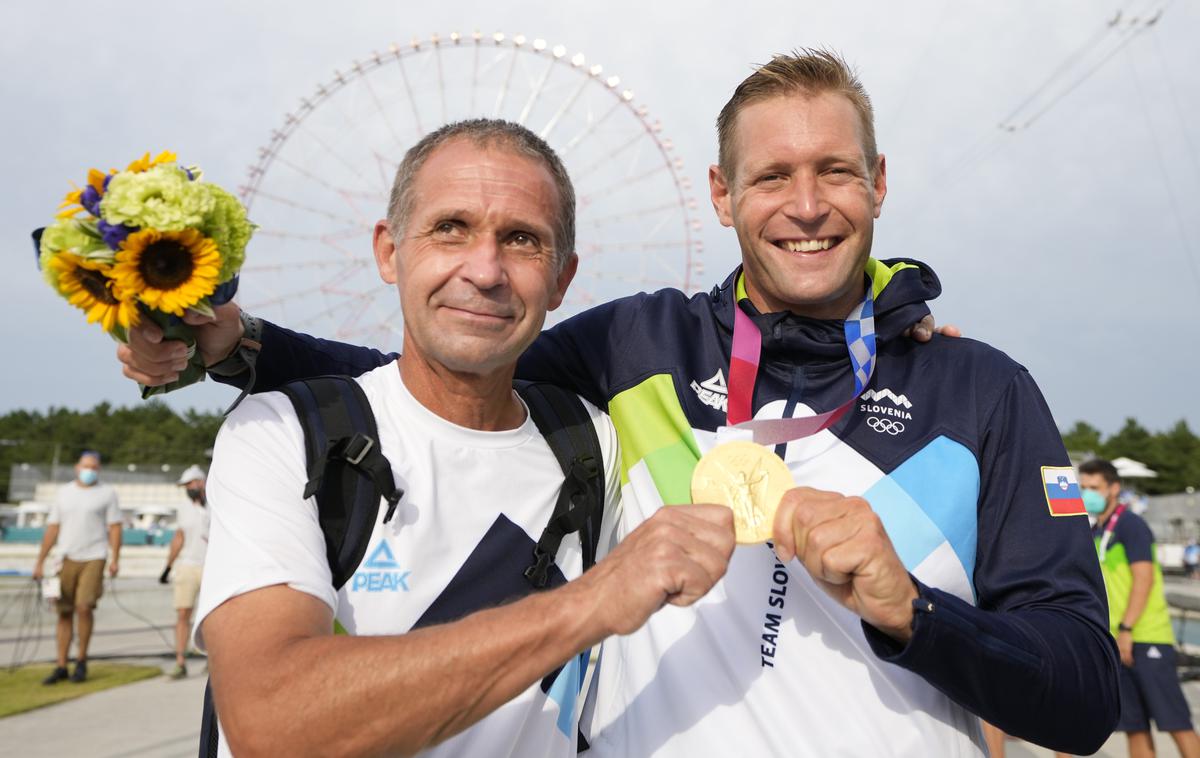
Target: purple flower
x,y
114,234
90,200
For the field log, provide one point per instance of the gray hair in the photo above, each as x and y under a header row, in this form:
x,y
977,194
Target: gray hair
x,y
487,132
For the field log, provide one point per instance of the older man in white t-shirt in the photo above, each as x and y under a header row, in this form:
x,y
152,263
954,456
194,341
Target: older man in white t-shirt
x,y
479,243
83,515
186,557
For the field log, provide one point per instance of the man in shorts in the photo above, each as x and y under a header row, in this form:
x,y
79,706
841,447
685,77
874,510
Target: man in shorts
x,y
84,513
187,559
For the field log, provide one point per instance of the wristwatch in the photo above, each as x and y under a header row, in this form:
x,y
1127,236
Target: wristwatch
x,y
245,352
1123,627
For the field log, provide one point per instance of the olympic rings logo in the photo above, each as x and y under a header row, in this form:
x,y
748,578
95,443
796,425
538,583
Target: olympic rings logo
x,y
885,425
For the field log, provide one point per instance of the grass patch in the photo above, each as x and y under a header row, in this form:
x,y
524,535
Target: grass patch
x,y
22,690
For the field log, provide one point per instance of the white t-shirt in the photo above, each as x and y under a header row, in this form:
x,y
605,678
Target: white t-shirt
x,y
192,520
83,515
474,502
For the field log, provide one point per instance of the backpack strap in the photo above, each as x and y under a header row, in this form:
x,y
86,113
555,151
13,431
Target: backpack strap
x,y
563,420
346,469
208,725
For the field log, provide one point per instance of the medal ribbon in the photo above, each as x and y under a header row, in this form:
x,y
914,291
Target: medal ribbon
x,y
743,371
1109,528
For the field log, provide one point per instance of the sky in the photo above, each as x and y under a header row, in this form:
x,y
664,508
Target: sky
x,y
1063,238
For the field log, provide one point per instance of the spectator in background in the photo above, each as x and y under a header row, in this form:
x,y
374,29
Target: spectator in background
x,y
1191,559
84,511
1138,617
187,558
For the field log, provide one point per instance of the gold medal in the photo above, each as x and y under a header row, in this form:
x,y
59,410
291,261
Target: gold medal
x,y
747,478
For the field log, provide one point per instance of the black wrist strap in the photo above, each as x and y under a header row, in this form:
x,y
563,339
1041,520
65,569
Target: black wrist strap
x,y
243,357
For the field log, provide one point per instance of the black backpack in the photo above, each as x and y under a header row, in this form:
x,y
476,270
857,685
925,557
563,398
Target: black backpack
x,y
349,475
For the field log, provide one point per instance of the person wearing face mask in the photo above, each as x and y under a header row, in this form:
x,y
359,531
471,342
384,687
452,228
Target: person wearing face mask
x,y
187,558
1138,617
83,514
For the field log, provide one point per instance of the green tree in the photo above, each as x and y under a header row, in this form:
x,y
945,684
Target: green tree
x,y
145,434
1082,438
1177,460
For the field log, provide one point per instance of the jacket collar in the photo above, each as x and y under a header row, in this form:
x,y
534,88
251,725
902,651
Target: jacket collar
x,y
901,287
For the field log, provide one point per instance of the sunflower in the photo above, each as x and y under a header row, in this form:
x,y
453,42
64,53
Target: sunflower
x,y
169,271
145,162
85,199
85,285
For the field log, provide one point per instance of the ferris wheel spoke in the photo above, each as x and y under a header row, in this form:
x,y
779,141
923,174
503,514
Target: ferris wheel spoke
x,y
634,247
309,209
335,308
474,77
607,159
386,325
318,181
537,92
566,106
283,298
383,114
503,92
412,101
638,280
437,56
358,306
350,270
621,186
302,127
614,218
593,124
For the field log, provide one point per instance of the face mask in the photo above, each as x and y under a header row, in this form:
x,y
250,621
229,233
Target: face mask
x,y
1094,502
195,493
88,476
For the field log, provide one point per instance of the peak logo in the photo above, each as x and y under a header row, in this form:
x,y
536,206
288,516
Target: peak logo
x,y
385,578
382,558
713,391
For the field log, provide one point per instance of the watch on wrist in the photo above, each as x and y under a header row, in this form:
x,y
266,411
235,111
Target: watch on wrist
x,y
1123,627
246,351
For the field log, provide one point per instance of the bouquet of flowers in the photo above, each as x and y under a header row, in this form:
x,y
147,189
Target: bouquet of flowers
x,y
148,242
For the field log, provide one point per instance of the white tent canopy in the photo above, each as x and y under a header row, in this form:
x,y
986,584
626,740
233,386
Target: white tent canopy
x,y
1128,468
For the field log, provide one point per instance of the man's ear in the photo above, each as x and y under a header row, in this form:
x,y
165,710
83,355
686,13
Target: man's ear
x,y
564,281
385,252
879,184
718,190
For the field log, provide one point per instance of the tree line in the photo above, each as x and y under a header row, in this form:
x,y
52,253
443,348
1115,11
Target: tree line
x,y
1174,454
151,433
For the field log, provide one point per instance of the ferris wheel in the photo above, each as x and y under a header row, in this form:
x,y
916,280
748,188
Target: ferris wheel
x,y
323,178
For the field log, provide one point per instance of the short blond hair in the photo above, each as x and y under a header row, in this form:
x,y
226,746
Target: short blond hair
x,y
806,72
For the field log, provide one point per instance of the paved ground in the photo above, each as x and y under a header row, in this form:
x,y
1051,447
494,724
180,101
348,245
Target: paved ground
x,y
161,718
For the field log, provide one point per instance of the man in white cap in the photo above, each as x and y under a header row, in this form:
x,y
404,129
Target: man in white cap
x,y
187,558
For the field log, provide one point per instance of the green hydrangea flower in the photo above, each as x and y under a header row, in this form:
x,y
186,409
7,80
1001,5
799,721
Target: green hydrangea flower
x,y
73,235
161,198
226,225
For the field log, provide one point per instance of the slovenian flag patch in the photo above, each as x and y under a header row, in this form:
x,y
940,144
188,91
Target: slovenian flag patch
x,y
1062,491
